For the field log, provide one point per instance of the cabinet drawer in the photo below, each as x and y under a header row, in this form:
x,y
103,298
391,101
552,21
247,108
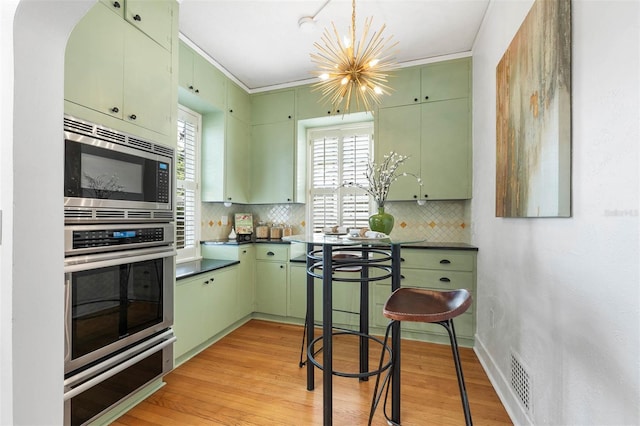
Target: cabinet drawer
x,y
279,252
437,259
439,280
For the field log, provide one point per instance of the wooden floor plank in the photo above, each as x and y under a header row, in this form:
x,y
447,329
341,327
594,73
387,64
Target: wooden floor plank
x,y
251,377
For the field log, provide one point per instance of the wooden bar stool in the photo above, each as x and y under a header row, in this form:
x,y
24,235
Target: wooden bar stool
x,y
429,306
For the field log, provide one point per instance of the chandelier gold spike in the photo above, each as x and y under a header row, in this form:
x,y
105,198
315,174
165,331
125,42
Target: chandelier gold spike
x,y
351,71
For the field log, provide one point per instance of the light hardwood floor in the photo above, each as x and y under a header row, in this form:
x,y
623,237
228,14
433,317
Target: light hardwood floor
x,y
252,377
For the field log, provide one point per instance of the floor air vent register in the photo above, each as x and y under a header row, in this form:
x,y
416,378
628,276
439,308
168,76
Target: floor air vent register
x,y
521,382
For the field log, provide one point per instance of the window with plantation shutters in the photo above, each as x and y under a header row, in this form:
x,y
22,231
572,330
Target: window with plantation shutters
x,y
339,156
187,182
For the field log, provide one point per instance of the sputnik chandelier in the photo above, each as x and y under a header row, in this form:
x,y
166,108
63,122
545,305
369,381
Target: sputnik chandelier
x,y
351,71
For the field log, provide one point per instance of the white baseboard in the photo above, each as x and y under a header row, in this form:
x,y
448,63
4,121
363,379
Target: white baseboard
x,y
501,385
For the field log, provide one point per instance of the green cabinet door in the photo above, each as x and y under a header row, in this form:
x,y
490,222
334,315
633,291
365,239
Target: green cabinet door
x,y
399,130
220,298
94,62
246,281
204,306
297,293
308,104
406,88
446,80
113,68
209,82
272,163
187,316
272,107
271,288
236,160
238,102
147,83
446,150
185,66
203,85
154,18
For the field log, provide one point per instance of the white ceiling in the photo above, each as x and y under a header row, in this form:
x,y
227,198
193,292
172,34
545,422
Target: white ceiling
x,y
260,44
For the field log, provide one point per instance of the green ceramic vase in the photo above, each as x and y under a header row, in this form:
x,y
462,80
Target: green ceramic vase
x,y
381,222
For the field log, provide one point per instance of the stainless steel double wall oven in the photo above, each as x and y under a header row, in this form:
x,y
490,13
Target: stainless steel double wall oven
x,y
119,266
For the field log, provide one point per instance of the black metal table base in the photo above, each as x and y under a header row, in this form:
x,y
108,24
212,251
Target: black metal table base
x,y
386,259
362,375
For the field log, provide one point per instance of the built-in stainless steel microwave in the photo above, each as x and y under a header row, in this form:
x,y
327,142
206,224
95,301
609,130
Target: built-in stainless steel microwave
x,y
112,176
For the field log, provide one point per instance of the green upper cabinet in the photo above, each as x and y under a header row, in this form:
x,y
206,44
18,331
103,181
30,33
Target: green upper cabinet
x,y
446,150
119,77
202,86
153,18
405,83
238,102
446,80
224,166
399,130
94,62
272,175
435,132
429,83
310,105
237,160
272,163
272,107
147,83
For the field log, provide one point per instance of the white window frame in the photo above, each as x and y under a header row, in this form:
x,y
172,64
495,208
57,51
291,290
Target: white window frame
x,y
340,132
192,251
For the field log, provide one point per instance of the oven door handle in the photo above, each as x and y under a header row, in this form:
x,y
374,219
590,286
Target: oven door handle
x,y
112,371
102,260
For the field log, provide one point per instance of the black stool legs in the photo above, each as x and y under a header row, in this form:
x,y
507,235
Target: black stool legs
x,y
448,324
456,359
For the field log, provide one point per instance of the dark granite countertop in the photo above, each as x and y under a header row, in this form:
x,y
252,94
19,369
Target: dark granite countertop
x,y
422,245
441,246
189,269
236,243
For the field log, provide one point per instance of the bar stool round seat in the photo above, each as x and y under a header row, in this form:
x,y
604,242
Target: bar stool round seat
x,y
427,306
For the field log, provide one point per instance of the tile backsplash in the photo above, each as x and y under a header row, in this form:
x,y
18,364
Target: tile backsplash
x,y
436,221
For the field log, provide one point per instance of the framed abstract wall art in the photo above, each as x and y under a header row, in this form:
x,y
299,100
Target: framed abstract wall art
x,y
533,116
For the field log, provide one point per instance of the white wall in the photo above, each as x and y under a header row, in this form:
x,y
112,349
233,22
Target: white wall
x,y
34,37
563,294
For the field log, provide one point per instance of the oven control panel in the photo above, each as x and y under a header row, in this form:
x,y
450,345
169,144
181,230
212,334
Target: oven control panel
x,y
95,238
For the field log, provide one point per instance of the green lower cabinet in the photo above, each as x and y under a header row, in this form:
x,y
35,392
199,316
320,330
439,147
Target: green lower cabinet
x,y
297,294
204,306
246,279
434,270
271,288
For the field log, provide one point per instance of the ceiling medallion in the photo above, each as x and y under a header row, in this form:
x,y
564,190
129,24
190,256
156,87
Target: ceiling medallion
x,y
353,72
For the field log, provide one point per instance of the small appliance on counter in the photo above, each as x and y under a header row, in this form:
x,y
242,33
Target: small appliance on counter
x,y
244,226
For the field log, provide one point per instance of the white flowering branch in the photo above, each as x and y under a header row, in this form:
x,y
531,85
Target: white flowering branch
x,y
381,176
